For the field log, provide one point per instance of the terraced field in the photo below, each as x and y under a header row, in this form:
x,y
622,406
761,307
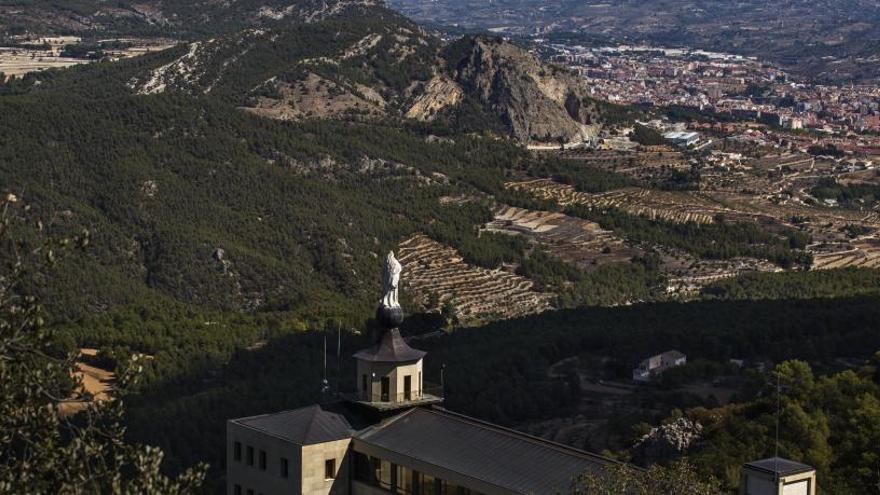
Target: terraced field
x,y
571,239
826,225
864,254
641,164
436,271
678,207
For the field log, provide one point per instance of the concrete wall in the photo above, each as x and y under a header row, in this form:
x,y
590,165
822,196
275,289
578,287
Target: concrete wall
x,y
270,481
358,488
395,373
313,459
422,467
414,370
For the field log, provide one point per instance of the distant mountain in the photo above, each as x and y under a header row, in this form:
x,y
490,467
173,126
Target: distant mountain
x,y
380,65
183,19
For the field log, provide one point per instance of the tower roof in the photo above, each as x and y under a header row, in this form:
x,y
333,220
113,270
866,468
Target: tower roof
x,y
305,426
390,349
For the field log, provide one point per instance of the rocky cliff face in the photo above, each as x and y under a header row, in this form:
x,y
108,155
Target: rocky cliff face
x,y
537,102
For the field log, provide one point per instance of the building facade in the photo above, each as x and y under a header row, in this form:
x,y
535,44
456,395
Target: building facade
x,y
656,365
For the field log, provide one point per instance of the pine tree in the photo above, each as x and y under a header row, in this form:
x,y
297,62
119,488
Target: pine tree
x,y
41,452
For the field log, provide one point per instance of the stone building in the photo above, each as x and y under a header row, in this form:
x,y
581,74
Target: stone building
x,y
392,435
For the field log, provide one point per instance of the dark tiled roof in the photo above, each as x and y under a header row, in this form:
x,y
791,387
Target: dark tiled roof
x,y
305,426
482,451
780,466
391,349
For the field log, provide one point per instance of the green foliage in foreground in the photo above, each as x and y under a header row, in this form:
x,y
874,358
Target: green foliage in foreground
x,y
829,422
41,452
680,478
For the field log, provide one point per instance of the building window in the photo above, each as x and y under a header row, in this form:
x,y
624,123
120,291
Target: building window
x,y
386,389
381,472
262,460
285,468
236,451
447,488
403,480
250,455
364,383
362,470
330,469
237,490
428,485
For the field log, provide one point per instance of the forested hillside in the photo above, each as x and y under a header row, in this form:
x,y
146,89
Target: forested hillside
x,y
184,218
239,191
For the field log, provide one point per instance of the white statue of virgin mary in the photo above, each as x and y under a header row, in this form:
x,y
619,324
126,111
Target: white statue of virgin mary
x,y
390,280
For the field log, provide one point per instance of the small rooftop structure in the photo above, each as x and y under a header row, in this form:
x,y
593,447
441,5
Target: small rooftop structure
x,y
777,476
682,138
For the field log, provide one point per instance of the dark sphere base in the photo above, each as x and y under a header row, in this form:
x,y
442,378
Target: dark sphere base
x,y
389,317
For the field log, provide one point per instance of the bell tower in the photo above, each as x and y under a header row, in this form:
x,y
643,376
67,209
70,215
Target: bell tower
x,y
389,374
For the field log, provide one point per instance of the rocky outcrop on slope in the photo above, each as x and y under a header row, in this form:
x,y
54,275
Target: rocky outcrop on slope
x,y
536,101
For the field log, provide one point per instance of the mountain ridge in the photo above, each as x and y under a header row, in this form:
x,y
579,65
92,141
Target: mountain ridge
x,y
179,18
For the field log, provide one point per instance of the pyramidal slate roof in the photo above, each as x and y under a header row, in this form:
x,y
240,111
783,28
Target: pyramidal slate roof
x,y
390,349
306,426
482,451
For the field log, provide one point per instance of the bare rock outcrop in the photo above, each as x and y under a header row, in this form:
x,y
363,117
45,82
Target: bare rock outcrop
x,y
668,441
537,102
